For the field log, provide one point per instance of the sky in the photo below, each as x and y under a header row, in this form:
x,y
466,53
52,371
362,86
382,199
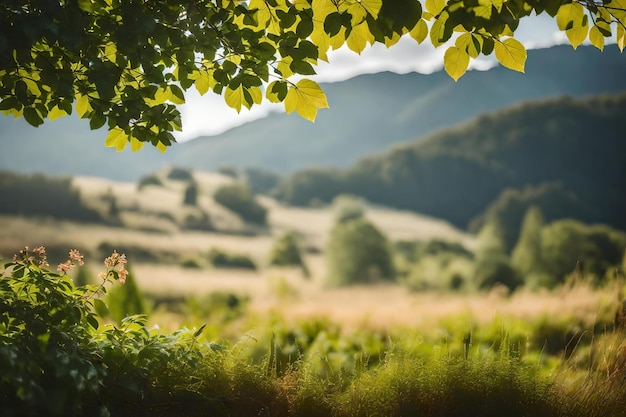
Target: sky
x,y
209,115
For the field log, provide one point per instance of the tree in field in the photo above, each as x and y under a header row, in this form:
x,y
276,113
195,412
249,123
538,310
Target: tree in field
x,y
190,197
286,252
358,253
126,64
493,266
526,257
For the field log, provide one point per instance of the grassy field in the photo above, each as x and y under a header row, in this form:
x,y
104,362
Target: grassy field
x,y
279,290
279,343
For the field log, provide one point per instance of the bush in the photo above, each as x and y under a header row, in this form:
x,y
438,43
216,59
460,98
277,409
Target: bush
x,y
180,174
190,197
239,198
260,180
568,245
286,252
125,301
221,259
357,252
198,220
149,180
38,195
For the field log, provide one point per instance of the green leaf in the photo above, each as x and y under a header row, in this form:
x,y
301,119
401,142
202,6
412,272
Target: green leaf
x,y
305,97
511,54
101,308
359,37
596,38
304,28
420,31
276,91
333,23
302,67
136,144
97,121
56,113
621,37
570,15
435,7
455,62
439,33
82,105
578,34
33,117
176,94
242,96
116,138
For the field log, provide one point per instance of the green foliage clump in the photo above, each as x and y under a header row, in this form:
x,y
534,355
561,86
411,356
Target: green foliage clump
x,y
493,265
239,198
551,199
286,252
315,184
190,196
180,174
197,219
221,259
260,180
348,207
147,180
27,192
125,301
357,252
568,245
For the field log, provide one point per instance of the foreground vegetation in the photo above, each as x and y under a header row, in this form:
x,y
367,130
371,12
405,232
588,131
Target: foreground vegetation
x,y
59,357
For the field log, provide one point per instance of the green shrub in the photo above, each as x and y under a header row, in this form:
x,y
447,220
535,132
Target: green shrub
x,y
568,245
357,252
180,174
125,301
221,259
38,195
147,180
286,252
198,220
347,207
190,197
239,198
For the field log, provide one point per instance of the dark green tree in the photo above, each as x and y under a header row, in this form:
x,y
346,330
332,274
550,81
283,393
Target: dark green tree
x,y
527,256
191,195
493,266
240,199
358,253
286,252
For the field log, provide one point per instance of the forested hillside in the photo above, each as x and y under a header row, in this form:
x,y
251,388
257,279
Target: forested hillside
x,y
368,114
568,156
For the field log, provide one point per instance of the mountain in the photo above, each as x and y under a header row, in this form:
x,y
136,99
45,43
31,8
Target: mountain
x,y
368,114
567,155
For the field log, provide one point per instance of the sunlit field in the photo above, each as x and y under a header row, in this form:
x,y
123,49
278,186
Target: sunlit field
x,y
280,340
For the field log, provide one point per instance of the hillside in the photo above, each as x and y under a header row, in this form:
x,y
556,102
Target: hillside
x,y
368,114
456,173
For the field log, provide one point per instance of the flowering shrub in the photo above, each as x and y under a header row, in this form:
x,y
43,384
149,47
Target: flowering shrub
x,y
55,355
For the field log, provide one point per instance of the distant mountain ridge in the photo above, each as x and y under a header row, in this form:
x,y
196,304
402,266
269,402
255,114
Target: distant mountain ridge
x,y
569,155
369,114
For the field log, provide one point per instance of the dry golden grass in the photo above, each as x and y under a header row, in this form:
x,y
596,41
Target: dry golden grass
x,y
282,290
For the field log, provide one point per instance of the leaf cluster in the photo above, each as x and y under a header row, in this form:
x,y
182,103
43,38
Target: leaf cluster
x,y
126,65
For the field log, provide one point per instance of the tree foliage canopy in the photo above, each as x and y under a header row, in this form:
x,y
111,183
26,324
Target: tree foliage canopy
x,y
126,64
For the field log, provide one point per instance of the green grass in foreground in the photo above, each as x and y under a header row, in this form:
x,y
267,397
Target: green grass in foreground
x,y
58,358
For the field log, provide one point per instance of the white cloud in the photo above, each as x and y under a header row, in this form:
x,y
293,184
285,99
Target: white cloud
x,y
209,115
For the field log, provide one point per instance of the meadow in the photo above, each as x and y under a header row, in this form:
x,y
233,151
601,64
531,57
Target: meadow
x,y
274,341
